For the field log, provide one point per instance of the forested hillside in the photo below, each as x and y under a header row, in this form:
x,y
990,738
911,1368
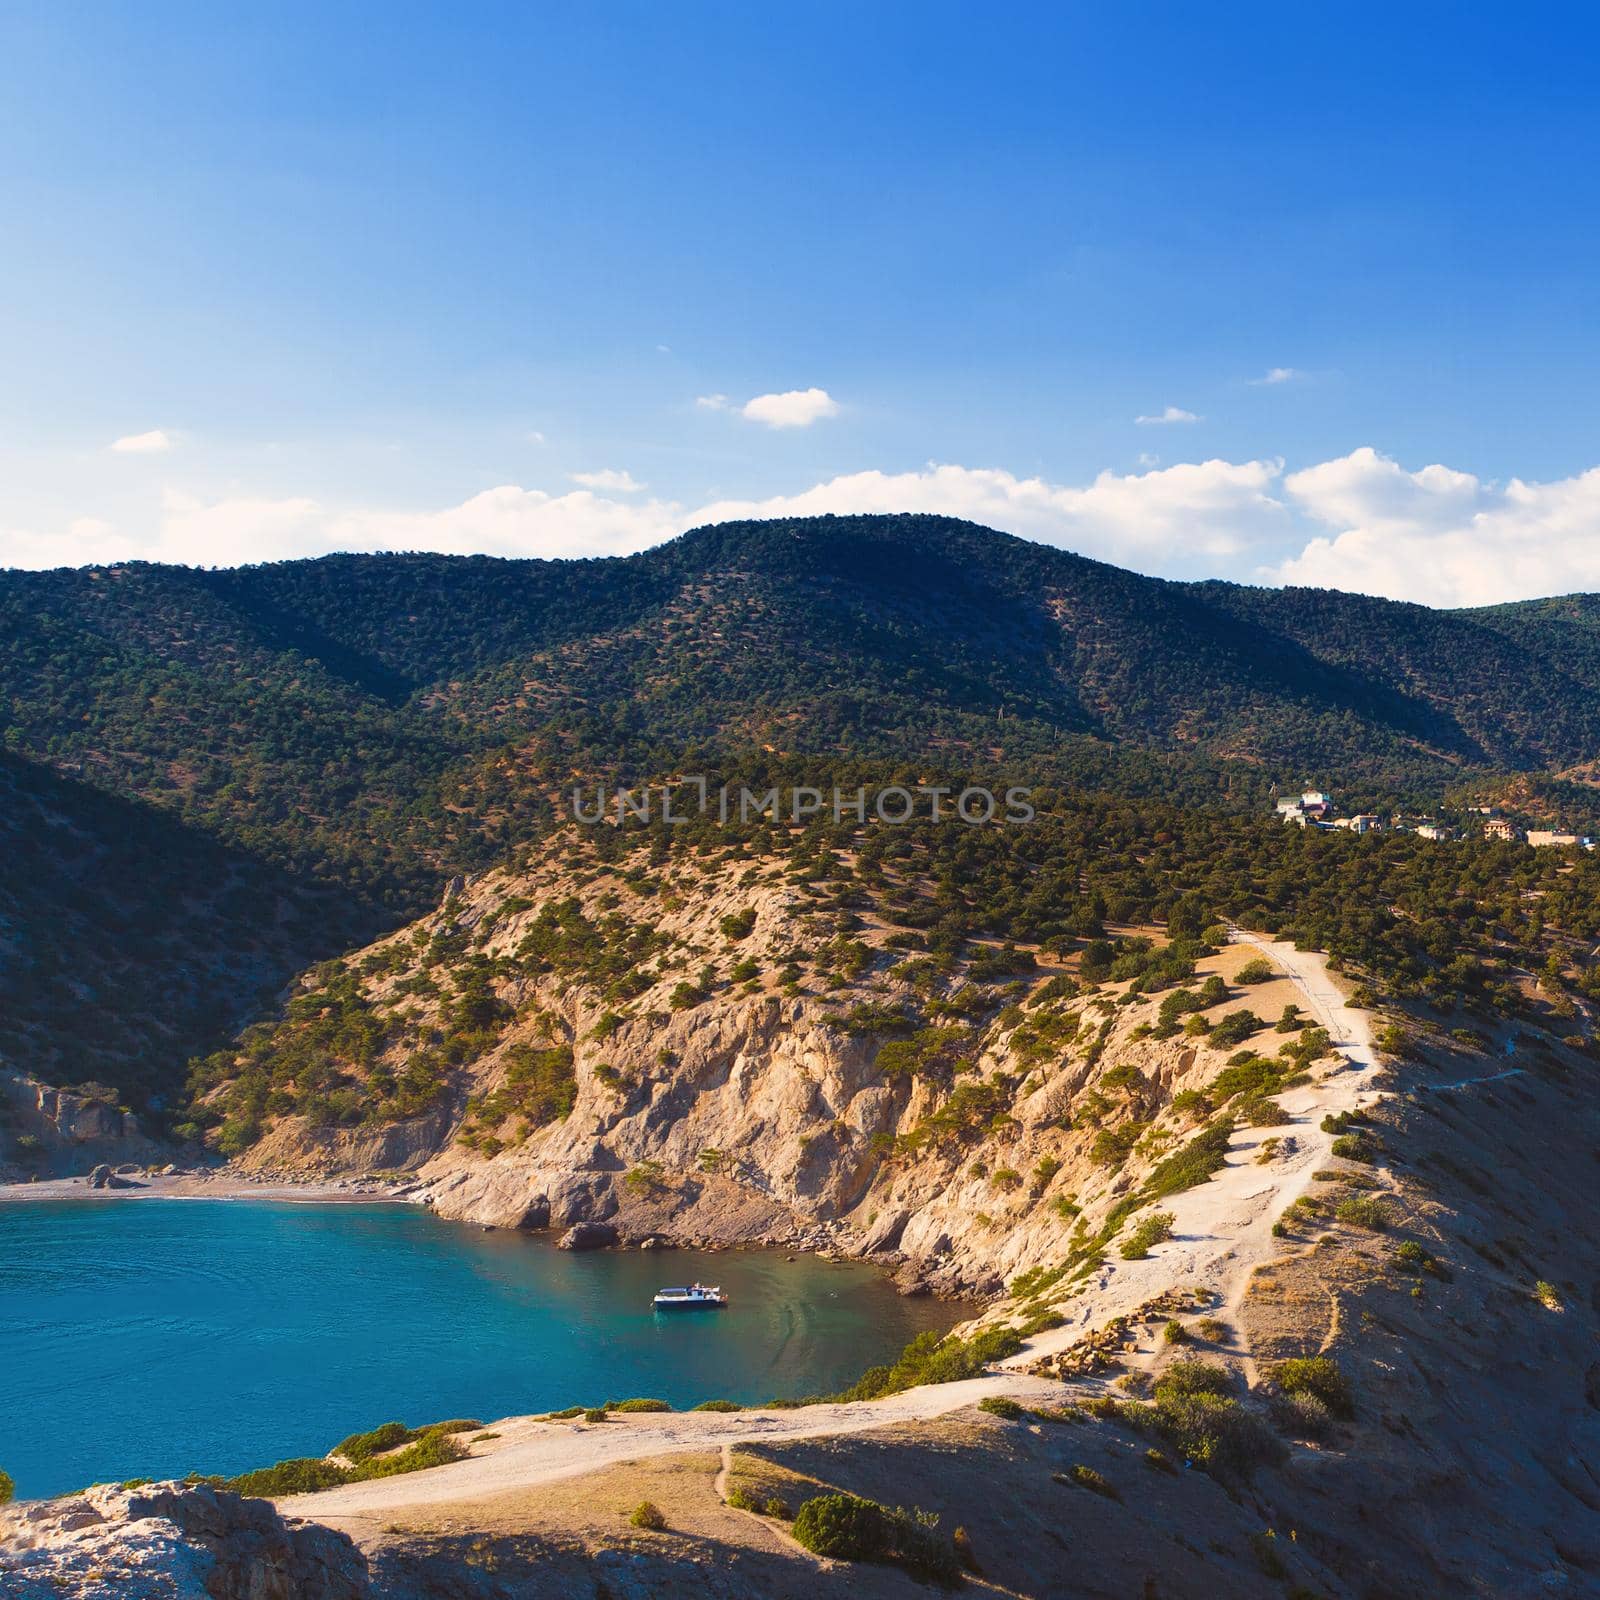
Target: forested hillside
x,y
128,941
373,725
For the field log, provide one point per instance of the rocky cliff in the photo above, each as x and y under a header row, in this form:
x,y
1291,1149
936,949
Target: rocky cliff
x,y
46,1131
731,1049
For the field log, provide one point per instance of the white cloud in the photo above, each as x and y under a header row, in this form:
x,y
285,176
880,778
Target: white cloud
x,y
1179,518
1170,414
1444,537
795,408
535,437
1163,518
155,442
1277,375
617,482
1360,522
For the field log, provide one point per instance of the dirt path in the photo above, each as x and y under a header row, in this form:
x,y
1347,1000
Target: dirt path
x,y
1223,1228
530,1451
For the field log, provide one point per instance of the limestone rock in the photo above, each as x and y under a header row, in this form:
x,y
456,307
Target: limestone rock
x,y
172,1541
588,1236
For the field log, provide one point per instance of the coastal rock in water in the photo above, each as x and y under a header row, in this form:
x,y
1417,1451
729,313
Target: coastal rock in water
x,y
656,1241
172,1541
588,1236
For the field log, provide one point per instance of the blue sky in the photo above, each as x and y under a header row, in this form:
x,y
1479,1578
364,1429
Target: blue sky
x,y
341,276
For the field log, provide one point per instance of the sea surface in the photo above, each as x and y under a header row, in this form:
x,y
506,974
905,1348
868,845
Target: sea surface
x,y
150,1338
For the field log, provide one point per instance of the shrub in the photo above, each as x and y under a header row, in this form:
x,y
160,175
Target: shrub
x,y
1258,971
772,1506
999,1405
1302,1416
361,1447
1152,1230
1155,1459
1234,1029
1041,1321
932,1359
738,924
1410,1256
645,1178
595,1414
743,1499
1364,1211
1088,1478
1213,1329
718,1405
1264,1114
844,1527
647,1514
1175,1333
1211,1430
1192,1376
1319,1377
300,1475
1204,1154
1547,1295
8,1489
431,1450
639,1405
1355,1147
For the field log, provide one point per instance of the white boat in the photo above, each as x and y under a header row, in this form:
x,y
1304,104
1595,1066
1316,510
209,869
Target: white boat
x,y
691,1297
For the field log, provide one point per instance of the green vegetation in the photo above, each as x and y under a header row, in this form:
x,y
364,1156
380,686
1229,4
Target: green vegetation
x,y
1196,1412
1363,1211
372,1455
1150,1230
1087,1478
846,1527
8,1488
932,1358
1318,1377
643,1405
999,1405
648,1515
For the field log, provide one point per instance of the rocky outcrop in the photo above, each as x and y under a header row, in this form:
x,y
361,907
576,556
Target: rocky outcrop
x,y
51,1132
741,1060
588,1236
172,1541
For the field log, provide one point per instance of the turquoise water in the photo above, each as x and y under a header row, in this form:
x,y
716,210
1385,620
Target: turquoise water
x,y
156,1337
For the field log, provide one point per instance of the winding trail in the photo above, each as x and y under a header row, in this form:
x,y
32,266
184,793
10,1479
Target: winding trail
x,y
530,1451
1223,1228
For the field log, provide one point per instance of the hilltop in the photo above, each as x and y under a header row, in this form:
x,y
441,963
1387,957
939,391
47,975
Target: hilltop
x,y
370,726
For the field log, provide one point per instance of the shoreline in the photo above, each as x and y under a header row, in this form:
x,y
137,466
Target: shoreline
x,y
194,1186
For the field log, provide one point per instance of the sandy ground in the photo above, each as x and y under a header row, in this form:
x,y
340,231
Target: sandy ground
x,y
530,1451
197,1186
1223,1228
